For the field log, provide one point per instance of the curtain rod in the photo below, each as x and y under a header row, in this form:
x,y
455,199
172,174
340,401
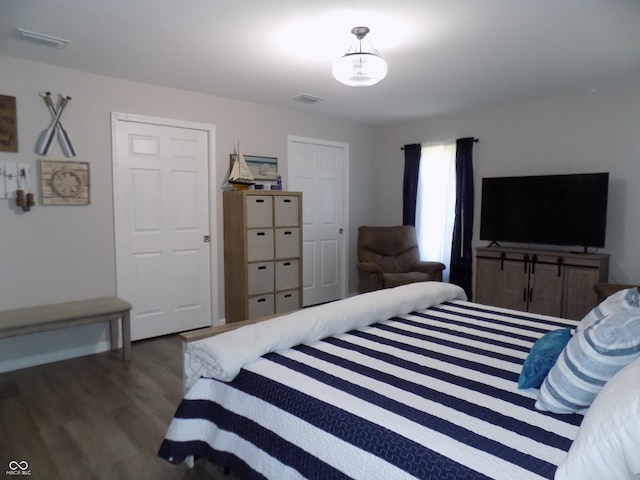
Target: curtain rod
x,y
475,140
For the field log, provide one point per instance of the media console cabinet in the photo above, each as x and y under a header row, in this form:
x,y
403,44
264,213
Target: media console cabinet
x,y
548,282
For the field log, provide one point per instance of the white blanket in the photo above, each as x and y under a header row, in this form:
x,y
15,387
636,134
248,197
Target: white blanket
x,y
221,357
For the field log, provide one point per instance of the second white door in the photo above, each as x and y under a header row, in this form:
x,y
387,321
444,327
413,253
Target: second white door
x,y
319,170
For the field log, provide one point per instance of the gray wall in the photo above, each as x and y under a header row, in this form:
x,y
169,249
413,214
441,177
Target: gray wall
x,y
60,253
56,253
574,133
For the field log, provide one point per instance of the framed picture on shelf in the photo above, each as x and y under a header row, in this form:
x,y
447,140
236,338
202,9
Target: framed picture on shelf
x,y
262,168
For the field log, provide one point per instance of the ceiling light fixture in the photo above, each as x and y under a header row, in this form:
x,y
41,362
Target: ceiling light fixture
x,y
43,39
358,67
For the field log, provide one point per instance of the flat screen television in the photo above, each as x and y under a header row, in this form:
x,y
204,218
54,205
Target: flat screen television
x,y
545,209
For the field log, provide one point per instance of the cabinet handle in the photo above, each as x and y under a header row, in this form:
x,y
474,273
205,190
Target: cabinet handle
x,y
262,300
560,262
259,200
288,233
287,264
534,259
530,295
287,200
260,234
502,258
524,295
526,263
262,267
288,295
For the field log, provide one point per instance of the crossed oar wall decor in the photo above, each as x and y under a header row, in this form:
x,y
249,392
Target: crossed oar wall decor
x,y
55,129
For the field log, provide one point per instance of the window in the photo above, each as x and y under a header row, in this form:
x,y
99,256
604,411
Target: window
x,y
436,203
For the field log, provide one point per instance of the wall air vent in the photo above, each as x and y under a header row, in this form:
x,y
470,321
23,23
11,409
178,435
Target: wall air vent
x,y
308,99
43,39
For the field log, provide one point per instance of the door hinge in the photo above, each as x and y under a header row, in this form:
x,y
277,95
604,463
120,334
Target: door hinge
x,y
207,239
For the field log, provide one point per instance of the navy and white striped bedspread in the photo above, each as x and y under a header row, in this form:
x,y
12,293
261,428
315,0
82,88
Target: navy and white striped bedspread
x,y
429,395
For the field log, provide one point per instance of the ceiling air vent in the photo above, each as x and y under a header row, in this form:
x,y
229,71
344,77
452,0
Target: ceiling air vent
x,y
308,99
43,39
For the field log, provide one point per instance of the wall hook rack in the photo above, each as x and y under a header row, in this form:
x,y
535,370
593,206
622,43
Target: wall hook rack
x,y
15,182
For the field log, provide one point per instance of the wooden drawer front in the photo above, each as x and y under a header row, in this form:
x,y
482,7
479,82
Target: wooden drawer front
x,y
287,242
286,211
260,278
261,306
287,301
286,274
259,245
259,211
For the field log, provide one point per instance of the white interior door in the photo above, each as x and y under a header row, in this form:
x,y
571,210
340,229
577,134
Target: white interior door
x,y
319,170
161,211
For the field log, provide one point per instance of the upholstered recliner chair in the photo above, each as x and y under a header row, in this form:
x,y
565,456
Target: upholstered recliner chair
x,y
389,257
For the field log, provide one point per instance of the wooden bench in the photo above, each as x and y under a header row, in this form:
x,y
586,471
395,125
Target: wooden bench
x,y
24,321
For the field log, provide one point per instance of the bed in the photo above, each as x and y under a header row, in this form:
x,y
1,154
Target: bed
x,y
414,382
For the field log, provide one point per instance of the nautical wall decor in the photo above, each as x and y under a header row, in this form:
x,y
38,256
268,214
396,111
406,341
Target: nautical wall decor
x,y
55,130
65,183
8,124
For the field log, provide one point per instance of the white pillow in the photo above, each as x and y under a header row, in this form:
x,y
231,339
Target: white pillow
x,y
620,301
608,442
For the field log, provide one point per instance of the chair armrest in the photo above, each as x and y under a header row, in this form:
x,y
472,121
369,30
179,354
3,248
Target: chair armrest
x,y
369,277
429,267
434,269
368,267
604,289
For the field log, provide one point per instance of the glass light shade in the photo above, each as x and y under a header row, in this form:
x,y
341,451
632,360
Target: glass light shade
x,y
360,69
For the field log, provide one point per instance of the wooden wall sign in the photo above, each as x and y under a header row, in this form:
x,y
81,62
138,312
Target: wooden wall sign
x,y
65,183
8,124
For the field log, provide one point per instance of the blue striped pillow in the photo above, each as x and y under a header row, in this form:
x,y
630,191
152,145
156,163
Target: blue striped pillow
x,y
592,356
617,302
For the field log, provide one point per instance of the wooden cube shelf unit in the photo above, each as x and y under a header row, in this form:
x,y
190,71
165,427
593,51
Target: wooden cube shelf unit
x,y
262,253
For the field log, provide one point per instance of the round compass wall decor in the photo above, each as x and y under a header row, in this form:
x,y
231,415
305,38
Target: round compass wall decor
x,y
65,183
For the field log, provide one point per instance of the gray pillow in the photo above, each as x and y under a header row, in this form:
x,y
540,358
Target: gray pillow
x,y
593,355
621,301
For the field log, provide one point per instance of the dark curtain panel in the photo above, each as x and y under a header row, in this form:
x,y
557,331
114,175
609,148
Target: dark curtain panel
x,y
410,183
461,254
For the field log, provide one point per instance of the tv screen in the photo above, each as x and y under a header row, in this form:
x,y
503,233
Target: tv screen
x,y
545,209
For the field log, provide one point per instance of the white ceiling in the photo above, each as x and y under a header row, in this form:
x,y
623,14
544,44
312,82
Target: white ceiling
x,y
443,55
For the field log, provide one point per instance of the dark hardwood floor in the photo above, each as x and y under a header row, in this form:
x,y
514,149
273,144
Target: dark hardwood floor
x,y
96,417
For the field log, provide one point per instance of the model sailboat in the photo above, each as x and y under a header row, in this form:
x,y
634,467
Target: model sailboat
x,y
240,176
